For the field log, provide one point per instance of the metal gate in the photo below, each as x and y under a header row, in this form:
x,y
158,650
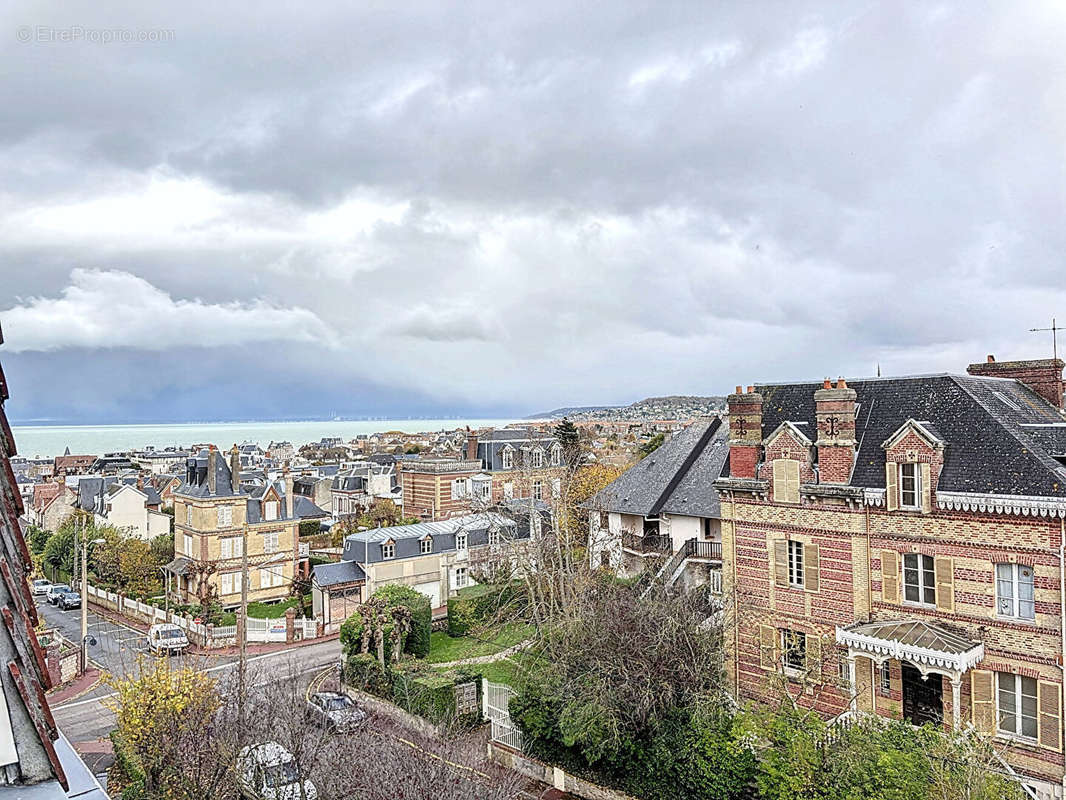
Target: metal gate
x,y
496,698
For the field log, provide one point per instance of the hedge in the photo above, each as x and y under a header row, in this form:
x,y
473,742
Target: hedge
x,y
431,693
417,641
476,605
364,671
127,773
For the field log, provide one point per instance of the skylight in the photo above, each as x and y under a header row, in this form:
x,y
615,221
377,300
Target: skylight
x,y
1007,401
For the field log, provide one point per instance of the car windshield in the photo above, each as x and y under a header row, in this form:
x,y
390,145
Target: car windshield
x,y
281,774
337,703
171,633
61,588
72,596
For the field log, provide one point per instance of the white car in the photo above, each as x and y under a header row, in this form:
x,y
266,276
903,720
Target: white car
x,y
269,772
40,586
166,638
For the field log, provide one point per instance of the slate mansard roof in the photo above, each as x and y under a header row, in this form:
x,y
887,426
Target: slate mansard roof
x,y
365,547
337,573
1001,437
677,478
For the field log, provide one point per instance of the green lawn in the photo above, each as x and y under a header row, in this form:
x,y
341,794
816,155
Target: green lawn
x,y
502,671
443,647
270,610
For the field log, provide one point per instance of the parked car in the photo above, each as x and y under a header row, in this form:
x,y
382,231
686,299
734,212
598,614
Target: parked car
x,y
69,600
166,638
40,586
335,711
269,772
57,590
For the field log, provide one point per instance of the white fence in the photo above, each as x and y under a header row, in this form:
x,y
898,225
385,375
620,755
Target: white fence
x,y
495,699
267,630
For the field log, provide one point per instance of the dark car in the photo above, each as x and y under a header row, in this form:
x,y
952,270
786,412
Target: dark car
x,y
335,711
56,591
69,600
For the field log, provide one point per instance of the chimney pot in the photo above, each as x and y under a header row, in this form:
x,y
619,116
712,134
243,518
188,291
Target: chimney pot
x,y
740,390
827,384
841,383
751,389
991,359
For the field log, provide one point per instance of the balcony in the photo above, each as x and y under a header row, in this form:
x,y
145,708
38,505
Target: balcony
x,y
703,550
648,544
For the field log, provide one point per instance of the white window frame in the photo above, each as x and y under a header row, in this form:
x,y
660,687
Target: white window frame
x,y
188,515
557,455
270,510
269,577
461,577
233,579
508,490
789,641
884,678
272,542
925,566
1012,686
795,564
507,456
1010,579
916,480
538,490
537,458
225,516
458,488
388,551
425,546
187,543
494,537
460,541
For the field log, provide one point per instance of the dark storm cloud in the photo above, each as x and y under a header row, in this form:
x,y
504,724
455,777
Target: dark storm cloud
x,y
598,202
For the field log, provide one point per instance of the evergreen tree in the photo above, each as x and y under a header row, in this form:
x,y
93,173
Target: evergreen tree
x,y
569,437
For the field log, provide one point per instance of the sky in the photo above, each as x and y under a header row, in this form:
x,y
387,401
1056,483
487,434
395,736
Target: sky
x,y
294,210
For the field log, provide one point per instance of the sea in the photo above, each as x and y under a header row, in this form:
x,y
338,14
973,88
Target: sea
x,y
46,441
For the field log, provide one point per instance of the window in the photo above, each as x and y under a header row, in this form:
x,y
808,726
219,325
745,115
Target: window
x,y
537,458
1017,704
557,455
844,670
494,537
508,458
538,490
919,579
425,546
270,577
271,543
605,522
884,678
388,550
231,583
187,542
795,563
1014,591
794,649
188,515
508,490
482,489
557,487
910,486
460,541
225,516
270,510
231,547
460,577
458,488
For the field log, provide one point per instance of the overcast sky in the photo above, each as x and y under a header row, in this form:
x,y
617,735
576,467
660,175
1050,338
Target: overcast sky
x,y
425,208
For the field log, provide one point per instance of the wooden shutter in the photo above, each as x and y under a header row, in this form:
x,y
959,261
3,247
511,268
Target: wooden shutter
x,y
944,572
891,486
792,481
780,481
927,490
982,700
767,647
814,657
781,562
1049,703
864,683
890,576
810,567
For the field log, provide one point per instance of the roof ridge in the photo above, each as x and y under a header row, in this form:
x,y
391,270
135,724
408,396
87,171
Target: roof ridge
x,y
686,465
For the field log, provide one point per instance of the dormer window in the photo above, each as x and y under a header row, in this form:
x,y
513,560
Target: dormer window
x,y
537,458
508,458
425,546
388,550
557,455
225,516
910,486
270,510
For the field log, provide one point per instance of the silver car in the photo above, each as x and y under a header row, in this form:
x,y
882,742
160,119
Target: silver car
x,y
335,711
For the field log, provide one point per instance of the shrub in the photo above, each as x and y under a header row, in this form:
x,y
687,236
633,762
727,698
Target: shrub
x,y
476,605
363,671
431,694
417,643
127,773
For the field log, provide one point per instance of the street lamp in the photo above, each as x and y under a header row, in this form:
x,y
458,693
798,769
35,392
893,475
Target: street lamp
x,y
85,598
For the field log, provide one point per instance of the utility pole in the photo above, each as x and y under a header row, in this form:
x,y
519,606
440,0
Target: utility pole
x,y
1054,330
84,594
242,630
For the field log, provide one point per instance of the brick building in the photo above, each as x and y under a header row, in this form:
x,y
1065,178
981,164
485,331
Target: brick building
x,y
520,462
896,546
439,488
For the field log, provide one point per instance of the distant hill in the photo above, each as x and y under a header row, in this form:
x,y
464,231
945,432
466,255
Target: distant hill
x,y
671,407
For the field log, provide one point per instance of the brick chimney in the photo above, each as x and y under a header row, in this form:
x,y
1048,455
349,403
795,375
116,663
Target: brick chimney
x,y
745,432
1043,375
235,469
212,463
290,496
834,411
471,445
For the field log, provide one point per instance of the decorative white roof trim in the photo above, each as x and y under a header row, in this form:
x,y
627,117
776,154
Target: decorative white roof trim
x,y
1021,505
917,427
921,657
874,497
799,435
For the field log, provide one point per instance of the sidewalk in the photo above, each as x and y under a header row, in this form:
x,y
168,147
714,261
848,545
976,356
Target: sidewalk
x,y
79,686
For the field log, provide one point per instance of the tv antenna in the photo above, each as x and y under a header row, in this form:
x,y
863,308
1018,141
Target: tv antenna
x,y
1054,336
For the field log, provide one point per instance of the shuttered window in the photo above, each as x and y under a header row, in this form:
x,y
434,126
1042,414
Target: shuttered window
x,y
919,579
795,564
1050,719
891,486
794,649
910,486
1016,705
786,476
767,647
945,583
983,700
890,576
1014,591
